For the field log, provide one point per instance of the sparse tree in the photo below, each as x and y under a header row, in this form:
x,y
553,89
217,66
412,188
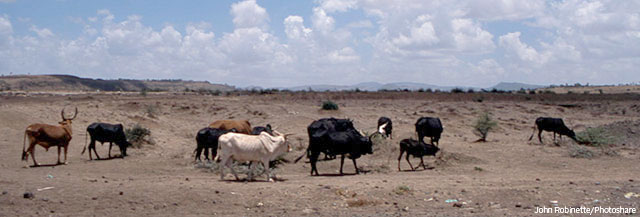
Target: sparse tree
x,y
484,124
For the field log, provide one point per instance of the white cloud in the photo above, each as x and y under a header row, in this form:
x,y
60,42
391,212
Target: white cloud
x,y
248,14
511,42
468,36
321,21
5,26
421,34
43,33
344,55
295,29
338,5
439,42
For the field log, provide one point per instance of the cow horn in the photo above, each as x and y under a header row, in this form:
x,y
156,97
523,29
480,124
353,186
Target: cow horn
x,y
62,114
288,134
75,114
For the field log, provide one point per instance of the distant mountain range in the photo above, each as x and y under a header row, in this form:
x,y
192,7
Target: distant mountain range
x,y
375,86
74,83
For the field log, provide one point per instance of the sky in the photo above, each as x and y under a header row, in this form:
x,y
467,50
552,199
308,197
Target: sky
x,y
284,43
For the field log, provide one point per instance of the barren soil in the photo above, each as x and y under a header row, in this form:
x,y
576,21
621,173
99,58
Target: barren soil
x,y
508,175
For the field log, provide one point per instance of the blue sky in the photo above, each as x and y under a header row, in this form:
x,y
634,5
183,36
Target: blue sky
x,y
288,43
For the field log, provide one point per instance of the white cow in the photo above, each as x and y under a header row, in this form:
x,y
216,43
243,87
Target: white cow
x,y
255,148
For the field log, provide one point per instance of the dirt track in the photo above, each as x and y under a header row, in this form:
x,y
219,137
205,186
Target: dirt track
x,y
506,176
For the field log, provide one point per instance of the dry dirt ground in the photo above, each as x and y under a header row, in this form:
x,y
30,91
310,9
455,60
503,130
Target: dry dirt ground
x,y
508,175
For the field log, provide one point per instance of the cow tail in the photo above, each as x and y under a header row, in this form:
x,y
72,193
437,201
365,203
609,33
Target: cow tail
x,y
306,153
85,143
534,132
24,152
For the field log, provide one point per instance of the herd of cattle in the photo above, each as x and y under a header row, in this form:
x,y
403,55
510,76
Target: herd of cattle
x,y
238,141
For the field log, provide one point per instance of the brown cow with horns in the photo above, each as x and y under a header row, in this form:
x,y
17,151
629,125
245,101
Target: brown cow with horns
x,y
47,136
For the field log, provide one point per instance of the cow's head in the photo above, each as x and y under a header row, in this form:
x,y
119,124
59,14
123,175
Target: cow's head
x,y
123,147
65,120
285,136
366,146
572,135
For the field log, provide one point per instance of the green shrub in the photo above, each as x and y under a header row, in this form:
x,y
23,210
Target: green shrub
x,y
402,190
595,136
138,135
457,90
329,105
577,151
484,124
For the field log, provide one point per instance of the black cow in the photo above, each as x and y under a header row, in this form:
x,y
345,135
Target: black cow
x,y
207,138
431,127
257,130
385,127
416,149
336,137
103,132
555,125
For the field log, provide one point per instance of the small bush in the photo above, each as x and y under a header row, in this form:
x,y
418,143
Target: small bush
x,y
577,151
138,135
457,90
402,190
143,92
595,137
329,105
484,124
151,110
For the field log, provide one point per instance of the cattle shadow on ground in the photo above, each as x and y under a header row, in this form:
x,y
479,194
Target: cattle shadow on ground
x,y
275,179
108,158
338,174
417,170
46,165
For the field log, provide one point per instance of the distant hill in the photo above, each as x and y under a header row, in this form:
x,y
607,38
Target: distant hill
x,y
375,86
74,83
508,86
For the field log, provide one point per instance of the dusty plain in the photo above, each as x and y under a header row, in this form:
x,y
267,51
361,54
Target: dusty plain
x,y
508,175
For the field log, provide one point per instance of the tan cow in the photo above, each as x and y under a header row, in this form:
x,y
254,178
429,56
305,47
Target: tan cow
x,y
47,136
242,126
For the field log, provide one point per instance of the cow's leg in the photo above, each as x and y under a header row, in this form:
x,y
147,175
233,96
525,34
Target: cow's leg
x,y
399,158
58,154
422,162
91,144
96,152
540,136
342,163
110,145
355,165
198,152
32,150
313,158
250,171
214,152
229,163
206,153
407,157
224,161
65,153
265,164
554,138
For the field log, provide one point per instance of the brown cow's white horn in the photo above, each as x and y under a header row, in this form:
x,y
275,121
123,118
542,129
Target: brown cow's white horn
x,y
75,114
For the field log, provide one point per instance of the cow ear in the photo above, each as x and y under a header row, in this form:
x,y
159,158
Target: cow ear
x,y
269,126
